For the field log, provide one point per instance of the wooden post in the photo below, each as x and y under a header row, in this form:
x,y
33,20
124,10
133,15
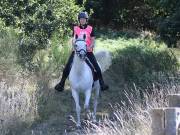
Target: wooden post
x,y
165,121
172,121
173,114
157,126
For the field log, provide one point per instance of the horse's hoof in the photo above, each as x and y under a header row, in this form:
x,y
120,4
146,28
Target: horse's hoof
x,y
79,127
88,117
94,121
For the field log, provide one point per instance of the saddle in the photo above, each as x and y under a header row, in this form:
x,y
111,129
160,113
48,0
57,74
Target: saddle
x,y
94,72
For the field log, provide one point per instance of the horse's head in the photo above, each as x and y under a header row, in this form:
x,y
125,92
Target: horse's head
x,y
80,47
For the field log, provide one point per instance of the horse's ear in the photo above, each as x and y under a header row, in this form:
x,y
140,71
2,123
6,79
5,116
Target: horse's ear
x,y
76,36
84,36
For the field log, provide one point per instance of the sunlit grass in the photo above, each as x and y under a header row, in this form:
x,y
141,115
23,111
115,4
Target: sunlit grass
x,y
119,43
113,44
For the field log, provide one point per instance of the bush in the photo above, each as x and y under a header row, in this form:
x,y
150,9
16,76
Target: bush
x,y
8,50
48,62
37,21
143,64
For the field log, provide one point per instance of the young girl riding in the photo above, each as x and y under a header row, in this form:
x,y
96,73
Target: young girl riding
x,y
80,30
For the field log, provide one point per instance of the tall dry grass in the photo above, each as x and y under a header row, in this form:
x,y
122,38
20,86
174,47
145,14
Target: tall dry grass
x,y
18,103
132,117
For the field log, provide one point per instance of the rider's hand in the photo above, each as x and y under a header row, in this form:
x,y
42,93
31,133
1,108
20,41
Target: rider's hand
x,y
92,46
89,48
73,41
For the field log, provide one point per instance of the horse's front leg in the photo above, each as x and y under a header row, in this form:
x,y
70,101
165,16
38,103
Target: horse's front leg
x,y
87,100
75,95
97,89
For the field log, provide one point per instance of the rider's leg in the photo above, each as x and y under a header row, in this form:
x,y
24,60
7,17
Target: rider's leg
x,y
66,71
93,60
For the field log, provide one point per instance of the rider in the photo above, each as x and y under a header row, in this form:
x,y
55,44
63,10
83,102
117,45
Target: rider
x,y
80,30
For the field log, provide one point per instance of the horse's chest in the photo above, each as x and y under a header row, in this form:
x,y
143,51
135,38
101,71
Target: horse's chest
x,y
81,79
80,76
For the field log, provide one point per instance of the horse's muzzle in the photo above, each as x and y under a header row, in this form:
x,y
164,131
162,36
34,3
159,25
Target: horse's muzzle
x,y
82,54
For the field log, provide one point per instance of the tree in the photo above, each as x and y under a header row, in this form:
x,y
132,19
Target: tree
x,y
37,20
121,13
167,14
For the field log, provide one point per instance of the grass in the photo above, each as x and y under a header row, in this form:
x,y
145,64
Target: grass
x,y
45,111
55,108
118,42
18,103
133,118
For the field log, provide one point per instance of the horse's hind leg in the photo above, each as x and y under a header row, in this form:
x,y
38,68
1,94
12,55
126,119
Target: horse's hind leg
x,y
75,95
96,88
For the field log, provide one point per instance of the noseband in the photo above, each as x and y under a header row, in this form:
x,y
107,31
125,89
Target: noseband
x,y
78,52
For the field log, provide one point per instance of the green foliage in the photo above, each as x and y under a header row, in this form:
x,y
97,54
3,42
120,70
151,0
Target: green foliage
x,y
163,8
8,44
36,21
121,13
8,49
50,61
161,16
169,29
167,16
137,58
145,63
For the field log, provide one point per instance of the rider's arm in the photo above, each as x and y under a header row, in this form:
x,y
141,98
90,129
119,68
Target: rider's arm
x,y
92,39
92,42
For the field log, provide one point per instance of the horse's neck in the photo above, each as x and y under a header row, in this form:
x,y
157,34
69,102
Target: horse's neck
x,y
78,64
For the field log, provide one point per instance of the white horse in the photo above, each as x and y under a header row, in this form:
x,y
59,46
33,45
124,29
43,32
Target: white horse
x,y
81,77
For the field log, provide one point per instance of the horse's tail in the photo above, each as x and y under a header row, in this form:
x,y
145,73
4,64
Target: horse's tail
x,y
104,59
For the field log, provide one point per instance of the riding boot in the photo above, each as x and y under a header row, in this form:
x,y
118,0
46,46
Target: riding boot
x,y
102,84
60,85
66,71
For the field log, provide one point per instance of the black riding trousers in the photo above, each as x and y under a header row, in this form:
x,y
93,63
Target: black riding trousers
x,y
91,58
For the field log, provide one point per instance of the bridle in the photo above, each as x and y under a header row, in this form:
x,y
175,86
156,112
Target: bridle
x,y
81,51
